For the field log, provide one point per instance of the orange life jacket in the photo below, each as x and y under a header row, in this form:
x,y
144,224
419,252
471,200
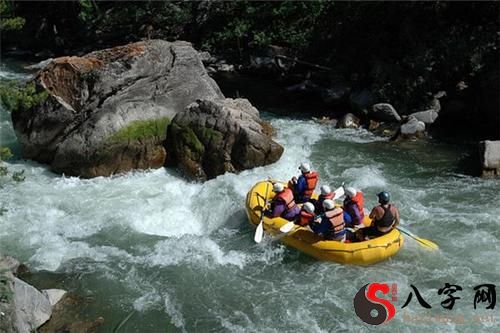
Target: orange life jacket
x,y
312,180
359,200
305,218
336,217
287,197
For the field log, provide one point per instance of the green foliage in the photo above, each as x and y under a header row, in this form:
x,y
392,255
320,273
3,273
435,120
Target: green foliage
x,y
9,22
287,23
15,97
142,129
5,153
88,10
17,176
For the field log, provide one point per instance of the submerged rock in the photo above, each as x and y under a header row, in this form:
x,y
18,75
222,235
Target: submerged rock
x,y
107,111
213,137
66,317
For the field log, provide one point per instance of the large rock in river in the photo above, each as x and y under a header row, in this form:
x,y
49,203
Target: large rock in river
x,y
107,111
212,137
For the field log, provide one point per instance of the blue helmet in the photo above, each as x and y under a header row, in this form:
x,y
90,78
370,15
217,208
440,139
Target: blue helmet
x,y
384,197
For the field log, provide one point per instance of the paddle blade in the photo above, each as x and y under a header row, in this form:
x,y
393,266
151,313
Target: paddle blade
x,y
287,227
338,192
422,241
259,233
427,243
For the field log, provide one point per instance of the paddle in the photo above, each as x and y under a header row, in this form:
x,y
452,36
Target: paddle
x,y
259,232
289,226
422,241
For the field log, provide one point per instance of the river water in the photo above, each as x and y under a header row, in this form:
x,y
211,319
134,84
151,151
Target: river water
x,y
179,256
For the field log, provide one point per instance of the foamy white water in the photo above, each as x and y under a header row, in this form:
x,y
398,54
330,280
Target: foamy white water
x,y
181,254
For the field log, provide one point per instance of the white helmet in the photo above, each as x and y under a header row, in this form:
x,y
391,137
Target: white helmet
x,y
328,204
350,192
309,207
305,167
325,189
278,187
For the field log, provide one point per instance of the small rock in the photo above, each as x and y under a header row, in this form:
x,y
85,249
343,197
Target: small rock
x,y
490,158
428,116
384,112
414,128
32,308
348,121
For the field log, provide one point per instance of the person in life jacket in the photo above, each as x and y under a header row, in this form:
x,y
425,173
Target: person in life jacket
x,y
283,203
353,207
385,217
306,215
304,186
330,224
325,193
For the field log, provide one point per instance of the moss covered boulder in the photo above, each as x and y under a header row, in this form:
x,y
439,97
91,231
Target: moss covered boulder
x,y
212,137
108,111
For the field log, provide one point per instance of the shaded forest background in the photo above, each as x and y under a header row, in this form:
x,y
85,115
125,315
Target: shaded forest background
x,y
401,52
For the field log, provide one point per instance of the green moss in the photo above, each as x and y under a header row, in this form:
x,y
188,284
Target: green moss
x,y
209,136
142,129
15,97
191,140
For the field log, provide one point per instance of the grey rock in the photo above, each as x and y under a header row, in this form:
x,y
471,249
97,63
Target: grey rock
x,y
257,62
54,295
108,111
348,121
7,308
40,64
384,112
428,116
214,137
412,128
32,308
206,57
490,158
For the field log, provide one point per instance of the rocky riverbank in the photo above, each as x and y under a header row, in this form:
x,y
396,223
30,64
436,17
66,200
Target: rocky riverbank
x,y
23,308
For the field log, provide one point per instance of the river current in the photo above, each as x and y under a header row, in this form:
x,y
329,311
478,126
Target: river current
x,y
179,256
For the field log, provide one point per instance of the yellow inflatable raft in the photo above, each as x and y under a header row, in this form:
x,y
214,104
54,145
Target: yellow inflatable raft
x,y
360,253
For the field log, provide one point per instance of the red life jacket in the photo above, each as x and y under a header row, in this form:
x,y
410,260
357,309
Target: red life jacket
x,y
359,200
312,180
305,218
336,217
287,197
